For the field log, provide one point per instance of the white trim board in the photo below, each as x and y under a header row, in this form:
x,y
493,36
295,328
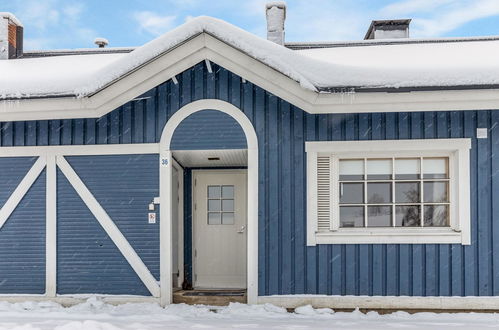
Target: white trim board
x,y
384,302
81,150
166,188
206,47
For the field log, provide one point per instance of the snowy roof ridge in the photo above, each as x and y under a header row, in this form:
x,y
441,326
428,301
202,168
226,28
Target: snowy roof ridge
x,y
296,45
440,64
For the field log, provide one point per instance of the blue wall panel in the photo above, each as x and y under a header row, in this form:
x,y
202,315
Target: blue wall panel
x,y
208,129
286,264
22,237
87,259
124,185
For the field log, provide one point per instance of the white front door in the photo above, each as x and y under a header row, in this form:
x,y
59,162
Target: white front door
x,y
219,228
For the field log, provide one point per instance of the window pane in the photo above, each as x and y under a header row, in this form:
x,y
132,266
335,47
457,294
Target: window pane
x,y
351,193
407,216
227,205
435,192
352,169
214,219
227,191
379,169
407,169
351,216
436,216
435,168
407,192
228,218
379,193
213,191
213,205
379,216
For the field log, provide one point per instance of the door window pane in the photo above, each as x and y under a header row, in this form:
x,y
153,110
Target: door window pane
x,y
213,191
407,192
435,192
379,216
352,169
379,169
351,216
228,205
407,168
227,191
435,168
214,218
351,193
379,193
228,218
436,216
407,216
213,205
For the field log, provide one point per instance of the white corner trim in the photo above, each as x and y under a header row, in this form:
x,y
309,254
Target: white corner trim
x,y
51,228
384,302
206,47
109,227
252,193
457,150
21,190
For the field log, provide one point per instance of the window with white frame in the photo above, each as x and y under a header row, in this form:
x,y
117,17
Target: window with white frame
x,y
395,191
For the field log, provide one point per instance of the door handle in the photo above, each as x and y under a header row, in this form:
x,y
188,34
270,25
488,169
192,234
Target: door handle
x,y
242,230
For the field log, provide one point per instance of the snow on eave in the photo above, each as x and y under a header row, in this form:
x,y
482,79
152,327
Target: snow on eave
x,y
12,17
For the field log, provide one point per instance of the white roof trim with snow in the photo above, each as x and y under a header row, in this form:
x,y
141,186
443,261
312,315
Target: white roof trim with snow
x,y
91,85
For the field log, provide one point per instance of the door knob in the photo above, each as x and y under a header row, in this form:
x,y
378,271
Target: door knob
x,y
242,230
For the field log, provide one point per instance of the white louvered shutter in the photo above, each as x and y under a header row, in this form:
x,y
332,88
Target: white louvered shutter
x,y
324,193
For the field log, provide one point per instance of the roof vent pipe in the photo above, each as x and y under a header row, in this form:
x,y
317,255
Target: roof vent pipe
x,y
11,37
101,42
276,15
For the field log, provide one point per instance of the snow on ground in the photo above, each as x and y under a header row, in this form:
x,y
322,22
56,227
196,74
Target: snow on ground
x,y
404,65
96,315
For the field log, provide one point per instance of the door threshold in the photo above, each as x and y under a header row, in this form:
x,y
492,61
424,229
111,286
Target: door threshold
x,y
214,297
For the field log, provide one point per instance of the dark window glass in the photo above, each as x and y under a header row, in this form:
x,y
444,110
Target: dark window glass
x,y
379,216
407,216
436,216
351,193
351,216
407,192
435,192
379,193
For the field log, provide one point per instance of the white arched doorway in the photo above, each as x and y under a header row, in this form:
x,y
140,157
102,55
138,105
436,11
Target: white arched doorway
x,y
166,162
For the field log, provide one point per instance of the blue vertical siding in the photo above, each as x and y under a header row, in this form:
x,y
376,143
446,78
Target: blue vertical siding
x,y
22,237
87,259
286,264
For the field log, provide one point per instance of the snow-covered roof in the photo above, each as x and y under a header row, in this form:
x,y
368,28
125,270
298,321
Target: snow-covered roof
x,y
388,65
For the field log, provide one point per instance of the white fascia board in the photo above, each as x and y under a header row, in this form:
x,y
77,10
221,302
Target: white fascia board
x,y
81,150
206,47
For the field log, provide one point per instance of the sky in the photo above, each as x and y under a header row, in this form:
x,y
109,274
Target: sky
x,y
54,24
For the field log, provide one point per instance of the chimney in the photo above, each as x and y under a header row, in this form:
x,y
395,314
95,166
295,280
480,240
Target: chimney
x,y
11,37
388,29
276,15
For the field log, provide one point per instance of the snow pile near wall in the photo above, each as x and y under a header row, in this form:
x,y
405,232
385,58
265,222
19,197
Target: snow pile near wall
x,y
95,315
446,64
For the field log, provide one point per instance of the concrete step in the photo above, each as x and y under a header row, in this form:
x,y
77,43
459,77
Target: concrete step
x,y
219,297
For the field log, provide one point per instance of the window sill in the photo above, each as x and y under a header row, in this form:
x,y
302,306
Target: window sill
x,y
392,236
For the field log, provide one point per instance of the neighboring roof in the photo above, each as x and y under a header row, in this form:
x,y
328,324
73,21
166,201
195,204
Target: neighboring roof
x,y
390,65
386,24
78,51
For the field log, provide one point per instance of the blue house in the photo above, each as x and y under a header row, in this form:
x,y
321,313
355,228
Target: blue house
x,y
342,174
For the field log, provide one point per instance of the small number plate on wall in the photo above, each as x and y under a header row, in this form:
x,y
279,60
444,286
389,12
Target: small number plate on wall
x,y
151,217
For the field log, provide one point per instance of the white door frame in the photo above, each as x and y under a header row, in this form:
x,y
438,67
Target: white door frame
x,y
193,232
166,190
180,220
